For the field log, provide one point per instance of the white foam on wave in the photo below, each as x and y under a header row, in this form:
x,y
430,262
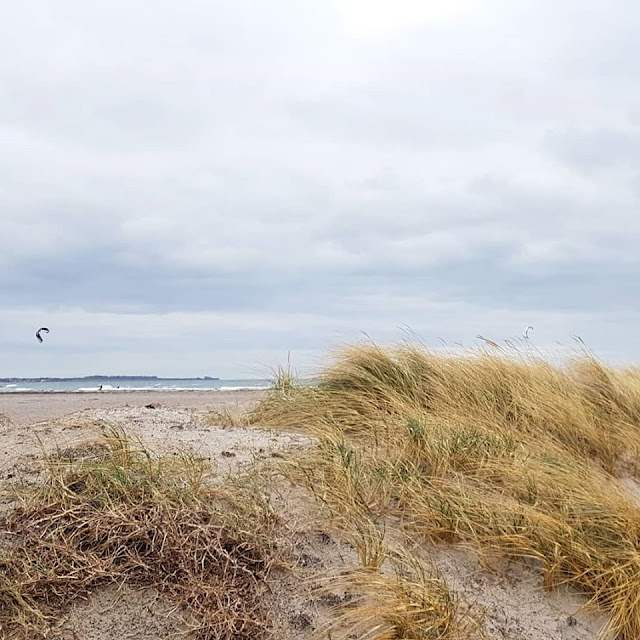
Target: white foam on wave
x,y
104,387
167,389
107,388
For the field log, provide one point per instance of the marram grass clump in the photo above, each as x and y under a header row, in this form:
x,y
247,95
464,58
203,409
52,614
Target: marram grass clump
x,y
407,599
499,451
126,515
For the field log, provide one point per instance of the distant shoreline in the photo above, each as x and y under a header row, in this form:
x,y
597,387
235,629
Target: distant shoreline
x,y
125,391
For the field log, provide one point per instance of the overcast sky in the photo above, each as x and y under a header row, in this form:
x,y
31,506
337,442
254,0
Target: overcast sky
x,y
199,187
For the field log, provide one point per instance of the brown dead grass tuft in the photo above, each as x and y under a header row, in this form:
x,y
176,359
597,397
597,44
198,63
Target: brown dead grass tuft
x,y
126,515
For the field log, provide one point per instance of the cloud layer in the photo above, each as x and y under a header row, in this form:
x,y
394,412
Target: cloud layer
x,y
203,187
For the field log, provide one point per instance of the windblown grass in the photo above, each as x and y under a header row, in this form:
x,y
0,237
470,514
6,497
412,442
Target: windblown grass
x,y
127,515
409,600
508,453
227,417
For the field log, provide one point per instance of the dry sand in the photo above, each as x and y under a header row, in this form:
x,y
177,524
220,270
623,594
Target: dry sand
x,y
47,421
509,595
27,408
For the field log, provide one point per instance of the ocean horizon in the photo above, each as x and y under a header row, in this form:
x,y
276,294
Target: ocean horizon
x,y
91,384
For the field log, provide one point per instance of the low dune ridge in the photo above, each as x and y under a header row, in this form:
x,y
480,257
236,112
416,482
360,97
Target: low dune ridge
x,y
406,495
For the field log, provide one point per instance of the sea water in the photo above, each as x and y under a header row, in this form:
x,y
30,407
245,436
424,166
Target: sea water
x,y
89,385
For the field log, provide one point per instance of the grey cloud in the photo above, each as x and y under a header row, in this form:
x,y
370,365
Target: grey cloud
x,y
597,149
258,160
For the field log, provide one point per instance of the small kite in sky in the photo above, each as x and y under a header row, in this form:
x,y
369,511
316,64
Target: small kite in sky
x,y
39,331
526,332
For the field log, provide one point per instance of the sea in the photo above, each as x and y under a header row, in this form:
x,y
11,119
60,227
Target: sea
x,y
110,384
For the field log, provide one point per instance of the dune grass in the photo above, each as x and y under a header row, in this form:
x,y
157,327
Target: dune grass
x,y
125,515
408,600
227,417
503,452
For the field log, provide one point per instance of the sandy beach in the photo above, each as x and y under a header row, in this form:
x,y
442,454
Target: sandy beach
x,y
26,408
34,423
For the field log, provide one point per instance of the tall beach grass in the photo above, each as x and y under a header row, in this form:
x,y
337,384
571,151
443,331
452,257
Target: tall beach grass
x,y
501,452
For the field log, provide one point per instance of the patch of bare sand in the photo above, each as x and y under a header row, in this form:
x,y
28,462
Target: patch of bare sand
x,y
124,613
29,408
510,597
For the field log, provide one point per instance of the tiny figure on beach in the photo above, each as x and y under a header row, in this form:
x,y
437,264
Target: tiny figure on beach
x,y
39,331
100,388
